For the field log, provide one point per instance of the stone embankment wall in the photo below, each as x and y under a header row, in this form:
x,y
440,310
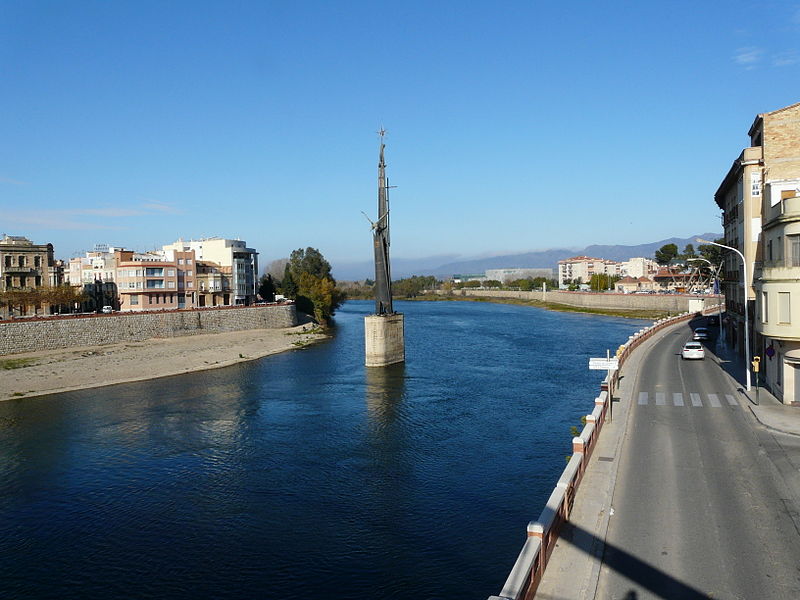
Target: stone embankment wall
x,y
672,303
66,332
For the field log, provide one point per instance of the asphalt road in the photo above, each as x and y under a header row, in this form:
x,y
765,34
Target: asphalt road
x,y
706,501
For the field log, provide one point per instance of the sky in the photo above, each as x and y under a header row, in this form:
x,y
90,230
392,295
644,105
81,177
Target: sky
x,y
511,126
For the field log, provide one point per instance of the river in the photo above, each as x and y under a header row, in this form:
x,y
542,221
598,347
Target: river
x,y
305,475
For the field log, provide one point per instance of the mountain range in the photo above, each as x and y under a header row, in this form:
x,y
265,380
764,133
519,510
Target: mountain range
x,y
448,265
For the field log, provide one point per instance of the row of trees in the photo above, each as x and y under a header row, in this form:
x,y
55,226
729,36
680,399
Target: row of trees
x,y
668,253
307,280
61,298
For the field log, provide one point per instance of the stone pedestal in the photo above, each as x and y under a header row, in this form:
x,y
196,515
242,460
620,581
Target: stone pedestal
x,y
385,341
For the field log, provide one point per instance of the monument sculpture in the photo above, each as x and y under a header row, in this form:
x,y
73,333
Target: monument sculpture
x,y
383,331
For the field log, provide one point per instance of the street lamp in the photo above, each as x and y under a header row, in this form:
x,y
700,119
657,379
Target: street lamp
x,y
746,317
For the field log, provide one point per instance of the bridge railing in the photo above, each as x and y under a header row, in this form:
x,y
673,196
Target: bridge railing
x,y
531,562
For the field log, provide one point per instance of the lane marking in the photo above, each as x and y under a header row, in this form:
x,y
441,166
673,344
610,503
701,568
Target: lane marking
x,y
642,397
695,399
731,400
660,399
677,399
714,399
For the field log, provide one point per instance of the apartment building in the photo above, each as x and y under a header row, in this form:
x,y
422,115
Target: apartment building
x,y
25,265
760,200
227,254
156,280
638,267
583,267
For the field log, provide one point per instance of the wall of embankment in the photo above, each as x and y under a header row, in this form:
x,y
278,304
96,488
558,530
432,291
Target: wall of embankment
x,y
671,303
97,330
542,533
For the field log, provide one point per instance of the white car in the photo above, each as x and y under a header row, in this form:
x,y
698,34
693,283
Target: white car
x,y
107,310
693,350
701,333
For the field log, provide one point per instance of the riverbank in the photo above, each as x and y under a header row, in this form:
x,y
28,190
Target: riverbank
x,y
555,306
62,370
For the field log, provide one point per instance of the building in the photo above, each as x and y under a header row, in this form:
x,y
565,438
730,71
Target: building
x,y
583,267
158,280
772,184
507,275
227,254
631,285
25,265
638,267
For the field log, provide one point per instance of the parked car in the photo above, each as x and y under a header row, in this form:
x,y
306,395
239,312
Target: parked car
x,y
693,350
701,333
107,310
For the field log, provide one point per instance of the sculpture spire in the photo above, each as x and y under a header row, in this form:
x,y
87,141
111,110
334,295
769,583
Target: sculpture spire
x,y
383,276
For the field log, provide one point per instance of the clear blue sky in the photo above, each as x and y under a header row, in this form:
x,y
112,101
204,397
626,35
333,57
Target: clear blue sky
x,y
513,126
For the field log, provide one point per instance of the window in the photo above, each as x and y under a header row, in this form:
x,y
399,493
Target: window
x,y
8,261
134,299
170,272
131,273
794,249
154,271
180,261
784,307
764,313
188,261
170,284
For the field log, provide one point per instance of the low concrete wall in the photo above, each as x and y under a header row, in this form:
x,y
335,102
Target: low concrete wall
x,y
543,533
96,330
672,303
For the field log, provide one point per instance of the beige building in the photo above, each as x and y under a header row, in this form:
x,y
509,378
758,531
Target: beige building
x,y
760,199
631,285
25,265
583,267
638,267
232,255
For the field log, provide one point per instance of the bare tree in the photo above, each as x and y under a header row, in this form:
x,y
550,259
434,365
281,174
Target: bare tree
x,y
276,269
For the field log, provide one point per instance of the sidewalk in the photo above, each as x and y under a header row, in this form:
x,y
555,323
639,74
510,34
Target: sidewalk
x,y
769,411
574,567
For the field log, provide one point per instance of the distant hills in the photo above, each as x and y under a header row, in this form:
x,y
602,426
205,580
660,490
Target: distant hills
x,y
448,265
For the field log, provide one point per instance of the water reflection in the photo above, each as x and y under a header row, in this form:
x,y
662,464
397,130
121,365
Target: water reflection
x,y
384,392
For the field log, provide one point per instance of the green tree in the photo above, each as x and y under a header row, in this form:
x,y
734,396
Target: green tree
x,y
266,288
492,283
309,261
688,251
711,252
288,284
666,254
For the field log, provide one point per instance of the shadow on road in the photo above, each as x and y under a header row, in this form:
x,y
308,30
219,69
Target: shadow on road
x,y
640,573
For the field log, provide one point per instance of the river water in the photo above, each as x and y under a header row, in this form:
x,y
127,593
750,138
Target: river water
x,y
305,475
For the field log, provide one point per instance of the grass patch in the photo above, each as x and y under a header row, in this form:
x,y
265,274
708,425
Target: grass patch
x,y
15,363
609,312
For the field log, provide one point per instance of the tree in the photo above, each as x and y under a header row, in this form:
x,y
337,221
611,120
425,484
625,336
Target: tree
x,y
309,261
288,284
307,278
666,254
492,283
711,252
688,251
266,288
276,269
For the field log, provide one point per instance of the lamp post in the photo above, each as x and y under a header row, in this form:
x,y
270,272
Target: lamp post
x,y
746,317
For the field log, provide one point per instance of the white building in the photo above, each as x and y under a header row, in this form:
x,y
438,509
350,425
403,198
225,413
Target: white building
x,y
243,262
638,267
583,267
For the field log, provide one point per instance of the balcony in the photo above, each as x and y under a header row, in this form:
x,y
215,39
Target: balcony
x,y
17,270
788,209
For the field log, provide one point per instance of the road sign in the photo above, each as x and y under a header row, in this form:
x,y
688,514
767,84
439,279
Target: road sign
x,y
603,364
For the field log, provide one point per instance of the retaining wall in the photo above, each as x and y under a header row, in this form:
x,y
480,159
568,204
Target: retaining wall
x,y
95,330
543,533
672,303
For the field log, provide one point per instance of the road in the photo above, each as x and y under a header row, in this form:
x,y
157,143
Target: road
x,y
706,501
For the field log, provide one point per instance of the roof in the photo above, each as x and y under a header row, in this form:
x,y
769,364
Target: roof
x,y
760,116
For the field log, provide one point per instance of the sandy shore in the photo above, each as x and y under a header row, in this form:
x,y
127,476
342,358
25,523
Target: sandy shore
x,y
47,372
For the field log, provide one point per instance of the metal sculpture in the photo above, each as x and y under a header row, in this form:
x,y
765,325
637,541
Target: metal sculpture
x,y
380,235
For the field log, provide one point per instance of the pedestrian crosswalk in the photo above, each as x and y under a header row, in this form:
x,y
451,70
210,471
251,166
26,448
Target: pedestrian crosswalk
x,y
694,399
